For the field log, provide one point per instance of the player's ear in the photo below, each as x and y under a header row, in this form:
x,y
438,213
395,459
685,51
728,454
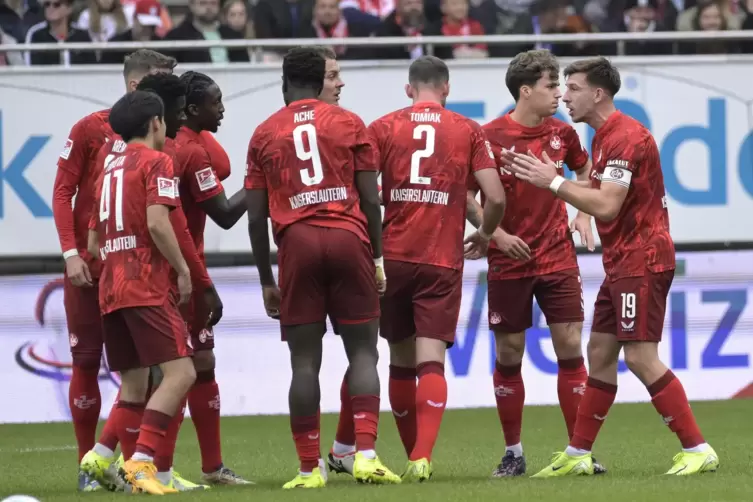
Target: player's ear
x,y
525,92
446,89
409,91
598,95
192,110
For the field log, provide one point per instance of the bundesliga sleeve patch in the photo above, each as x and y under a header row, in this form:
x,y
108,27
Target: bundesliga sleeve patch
x,y
166,187
67,149
489,149
617,175
206,179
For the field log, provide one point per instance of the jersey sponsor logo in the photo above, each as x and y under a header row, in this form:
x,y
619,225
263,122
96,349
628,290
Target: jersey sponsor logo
x,y
67,149
166,187
206,179
555,142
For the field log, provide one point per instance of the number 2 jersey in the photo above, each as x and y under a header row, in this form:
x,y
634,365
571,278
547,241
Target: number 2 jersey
x,y
306,156
134,271
426,155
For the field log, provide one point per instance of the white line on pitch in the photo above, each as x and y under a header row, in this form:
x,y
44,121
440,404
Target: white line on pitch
x,y
40,449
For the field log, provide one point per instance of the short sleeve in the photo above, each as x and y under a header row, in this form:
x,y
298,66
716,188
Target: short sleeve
x,y
576,157
482,156
364,150
255,178
198,173
624,156
161,188
75,152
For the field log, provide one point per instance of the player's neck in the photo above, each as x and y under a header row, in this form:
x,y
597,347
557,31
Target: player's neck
x,y
601,115
427,97
147,142
525,117
294,95
193,127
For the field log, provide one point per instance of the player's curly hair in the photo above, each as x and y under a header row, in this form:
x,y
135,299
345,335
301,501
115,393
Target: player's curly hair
x,y
130,116
304,67
196,87
167,86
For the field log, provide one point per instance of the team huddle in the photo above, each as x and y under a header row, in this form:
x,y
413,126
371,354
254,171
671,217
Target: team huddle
x,y
146,174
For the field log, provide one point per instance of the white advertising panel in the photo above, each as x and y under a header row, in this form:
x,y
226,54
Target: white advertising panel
x,y
696,108
707,335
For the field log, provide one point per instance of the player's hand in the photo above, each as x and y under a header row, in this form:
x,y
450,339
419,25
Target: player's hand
x,y
512,245
78,272
582,224
476,246
184,288
381,276
529,168
272,299
214,304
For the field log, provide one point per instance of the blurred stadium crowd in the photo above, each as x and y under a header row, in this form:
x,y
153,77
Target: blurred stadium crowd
x,y
40,21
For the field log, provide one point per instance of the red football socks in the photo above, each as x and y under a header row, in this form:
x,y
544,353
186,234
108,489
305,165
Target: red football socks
x,y
128,417
402,392
163,460
346,433
365,420
592,412
431,399
85,403
669,399
154,427
109,435
571,385
510,394
306,436
204,405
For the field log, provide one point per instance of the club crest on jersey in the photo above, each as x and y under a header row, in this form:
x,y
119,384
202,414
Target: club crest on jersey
x,y
166,187
555,142
72,339
67,149
204,335
495,318
206,179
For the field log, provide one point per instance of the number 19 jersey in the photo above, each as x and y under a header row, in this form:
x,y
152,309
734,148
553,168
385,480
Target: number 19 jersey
x,y
305,156
426,155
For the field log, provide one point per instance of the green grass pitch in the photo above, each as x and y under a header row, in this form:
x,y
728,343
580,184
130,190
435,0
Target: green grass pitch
x,y
636,447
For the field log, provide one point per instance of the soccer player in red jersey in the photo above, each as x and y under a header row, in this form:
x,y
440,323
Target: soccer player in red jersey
x,y
627,198
75,178
202,194
311,168
141,322
533,254
427,154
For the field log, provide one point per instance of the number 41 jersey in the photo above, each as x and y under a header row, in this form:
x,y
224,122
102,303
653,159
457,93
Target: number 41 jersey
x,y
305,156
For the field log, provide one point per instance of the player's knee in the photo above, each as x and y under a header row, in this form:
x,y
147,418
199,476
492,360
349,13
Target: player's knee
x,y
642,359
566,338
134,385
403,353
87,361
204,360
179,375
510,347
430,350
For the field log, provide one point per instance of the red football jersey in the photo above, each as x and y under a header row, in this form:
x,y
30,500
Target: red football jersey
x,y
534,215
134,272
305,156
217,155
426,154
74,190
198,182
625,153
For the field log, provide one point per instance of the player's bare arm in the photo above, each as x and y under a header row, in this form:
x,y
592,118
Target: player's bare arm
x,y
161,230
368,192
92,243
257,204
474,213
512,245
582,221
603,203
223,211
494,209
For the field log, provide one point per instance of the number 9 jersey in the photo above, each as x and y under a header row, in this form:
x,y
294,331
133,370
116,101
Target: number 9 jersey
x,y
305,156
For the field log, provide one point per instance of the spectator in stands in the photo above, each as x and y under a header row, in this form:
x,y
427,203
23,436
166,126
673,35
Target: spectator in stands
x,y
457,23
686,21
409,20
203,23
499,17
368,13
235,14
10,58
164,14
145,22
640,17
329,22
104,19
57,27
11,19
710,15
282,18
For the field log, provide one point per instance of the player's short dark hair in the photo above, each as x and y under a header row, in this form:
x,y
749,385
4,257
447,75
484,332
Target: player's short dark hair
x,y
303,67
599,73
428,70
325,51
131,115
145,61
167,86
196,87
527,68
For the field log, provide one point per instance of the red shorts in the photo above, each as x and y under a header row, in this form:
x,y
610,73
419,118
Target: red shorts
x,y
421,299
633,308
139,337
559,295
202,337
325,271
84,320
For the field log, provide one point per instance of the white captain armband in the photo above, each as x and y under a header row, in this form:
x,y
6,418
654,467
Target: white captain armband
x,y
617,175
